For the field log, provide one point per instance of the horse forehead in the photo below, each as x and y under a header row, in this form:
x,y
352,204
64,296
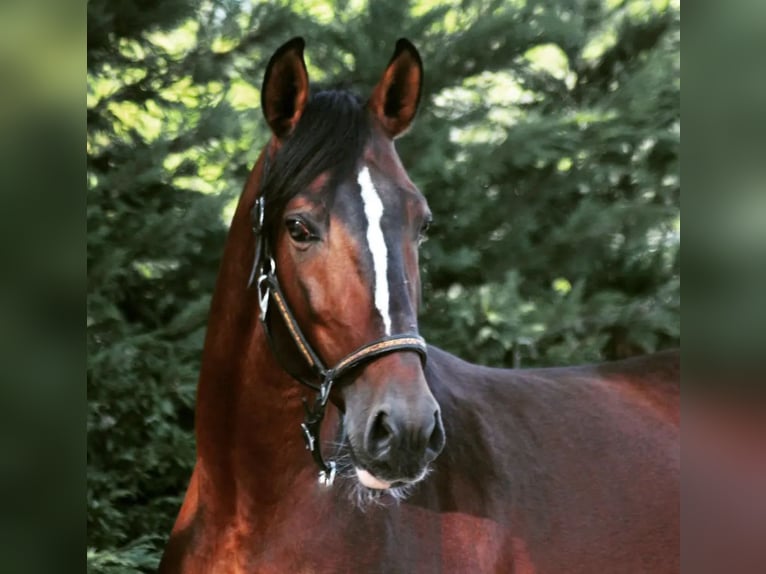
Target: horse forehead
x,y
389,178
354,195
381,156
390,184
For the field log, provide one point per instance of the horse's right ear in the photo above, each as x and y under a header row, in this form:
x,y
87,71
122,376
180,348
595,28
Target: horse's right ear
x,y
285,88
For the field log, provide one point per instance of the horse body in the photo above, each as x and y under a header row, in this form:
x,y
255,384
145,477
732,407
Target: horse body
x,y
544,471
565,470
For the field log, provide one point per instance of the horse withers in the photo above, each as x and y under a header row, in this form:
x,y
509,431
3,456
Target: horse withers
x,y
417,461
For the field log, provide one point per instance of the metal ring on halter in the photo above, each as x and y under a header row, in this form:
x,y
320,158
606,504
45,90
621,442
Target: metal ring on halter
x,y
327,478
263,288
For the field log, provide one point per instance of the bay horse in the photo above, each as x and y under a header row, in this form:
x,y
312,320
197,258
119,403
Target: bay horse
x,y
417,461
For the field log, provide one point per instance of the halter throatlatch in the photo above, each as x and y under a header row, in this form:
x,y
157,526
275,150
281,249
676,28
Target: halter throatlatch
x,y
264,274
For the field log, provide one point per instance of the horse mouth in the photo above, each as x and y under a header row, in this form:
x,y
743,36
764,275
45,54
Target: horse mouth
x,y
370,480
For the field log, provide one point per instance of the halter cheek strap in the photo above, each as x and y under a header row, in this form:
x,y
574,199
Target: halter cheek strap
x,y
270,292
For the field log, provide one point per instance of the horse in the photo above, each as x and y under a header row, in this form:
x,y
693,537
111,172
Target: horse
x,y
332,438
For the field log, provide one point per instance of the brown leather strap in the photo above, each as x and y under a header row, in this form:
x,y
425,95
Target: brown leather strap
x,y
390,344
381,347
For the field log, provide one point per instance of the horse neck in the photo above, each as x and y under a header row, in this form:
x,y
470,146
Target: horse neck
x,y
248,408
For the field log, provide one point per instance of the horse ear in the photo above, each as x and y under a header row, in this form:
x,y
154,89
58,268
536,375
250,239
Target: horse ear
x,y
395,99
285,88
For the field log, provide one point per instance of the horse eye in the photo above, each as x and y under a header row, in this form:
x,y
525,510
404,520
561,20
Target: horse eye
x,y
299,230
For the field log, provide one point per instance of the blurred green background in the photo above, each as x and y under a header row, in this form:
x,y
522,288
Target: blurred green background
x,y
547,144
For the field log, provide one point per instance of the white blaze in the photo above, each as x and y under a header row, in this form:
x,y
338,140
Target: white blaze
x,y
373,209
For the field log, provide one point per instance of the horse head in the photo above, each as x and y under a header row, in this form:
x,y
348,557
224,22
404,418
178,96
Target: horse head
x,y
341,223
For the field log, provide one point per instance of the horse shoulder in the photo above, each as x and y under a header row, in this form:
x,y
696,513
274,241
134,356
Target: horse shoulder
x,y
178,545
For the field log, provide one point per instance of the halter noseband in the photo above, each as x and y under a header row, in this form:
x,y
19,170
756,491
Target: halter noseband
x,y
264,273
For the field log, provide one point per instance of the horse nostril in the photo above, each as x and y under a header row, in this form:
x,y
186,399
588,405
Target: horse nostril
x,y
380,435
436,440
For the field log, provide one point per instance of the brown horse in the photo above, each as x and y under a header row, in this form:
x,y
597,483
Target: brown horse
x,y
436,465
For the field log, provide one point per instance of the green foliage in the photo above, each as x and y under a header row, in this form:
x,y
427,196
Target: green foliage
x,y
547,145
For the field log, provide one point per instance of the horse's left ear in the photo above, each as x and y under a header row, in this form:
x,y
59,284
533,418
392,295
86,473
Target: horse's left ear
x,y
395,99
285,88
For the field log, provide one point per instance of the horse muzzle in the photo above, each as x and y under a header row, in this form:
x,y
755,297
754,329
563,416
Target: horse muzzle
x,y
400,439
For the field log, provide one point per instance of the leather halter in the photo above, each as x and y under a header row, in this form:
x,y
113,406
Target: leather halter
x,y
265,275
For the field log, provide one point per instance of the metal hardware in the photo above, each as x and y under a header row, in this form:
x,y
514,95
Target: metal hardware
x,y
327,478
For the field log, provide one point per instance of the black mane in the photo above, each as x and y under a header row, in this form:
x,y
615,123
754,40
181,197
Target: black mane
x,y
330,136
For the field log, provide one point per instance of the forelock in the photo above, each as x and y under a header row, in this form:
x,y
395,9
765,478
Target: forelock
x,y
329,139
